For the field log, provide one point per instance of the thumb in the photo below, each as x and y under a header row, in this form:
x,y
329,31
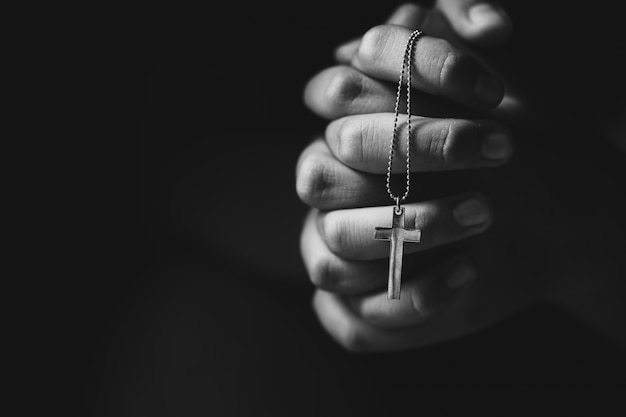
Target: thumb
x,y
482,22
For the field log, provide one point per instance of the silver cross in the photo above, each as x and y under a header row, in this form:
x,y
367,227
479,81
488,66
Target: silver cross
x,y
397,234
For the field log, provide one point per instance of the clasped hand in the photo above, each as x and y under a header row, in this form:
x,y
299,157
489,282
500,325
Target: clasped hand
x,y
497,229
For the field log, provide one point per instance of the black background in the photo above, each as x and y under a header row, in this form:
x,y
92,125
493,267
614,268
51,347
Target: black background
x,y
191,298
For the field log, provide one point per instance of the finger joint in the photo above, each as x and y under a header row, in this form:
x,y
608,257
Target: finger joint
x,y
343,89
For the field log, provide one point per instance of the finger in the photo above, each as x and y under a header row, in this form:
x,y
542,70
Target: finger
x,y
329,272
341,91
350,233
347,329
354,333
345,52
420,299
482,22
362,142
439,67
451,302
325,183
410,16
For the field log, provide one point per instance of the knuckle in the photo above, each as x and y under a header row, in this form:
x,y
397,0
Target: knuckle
x,y
350,143
344,87
436,143
322,274
419,217
333,232
446,67
373,44
312,180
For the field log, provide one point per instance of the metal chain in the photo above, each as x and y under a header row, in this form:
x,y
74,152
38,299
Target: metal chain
x,y
406,67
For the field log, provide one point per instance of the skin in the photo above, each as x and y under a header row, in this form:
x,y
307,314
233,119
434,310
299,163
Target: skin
x,y
501,227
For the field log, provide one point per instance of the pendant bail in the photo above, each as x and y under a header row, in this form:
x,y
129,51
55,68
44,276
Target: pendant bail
x,y
398,208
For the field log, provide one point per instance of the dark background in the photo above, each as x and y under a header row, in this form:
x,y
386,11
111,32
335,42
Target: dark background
x,y
191,298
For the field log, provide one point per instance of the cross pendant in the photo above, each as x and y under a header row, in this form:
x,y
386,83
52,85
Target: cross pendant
x,y
397,235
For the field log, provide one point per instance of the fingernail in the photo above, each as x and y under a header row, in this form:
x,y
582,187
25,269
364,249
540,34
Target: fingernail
x,y
488,89
497,145
471,212
483,14
460,276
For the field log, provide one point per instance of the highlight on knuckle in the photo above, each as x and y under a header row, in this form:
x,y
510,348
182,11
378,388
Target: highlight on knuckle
x,y
312,182
344,87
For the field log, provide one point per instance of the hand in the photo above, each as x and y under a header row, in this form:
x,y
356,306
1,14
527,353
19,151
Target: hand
x,y
473,21
530,253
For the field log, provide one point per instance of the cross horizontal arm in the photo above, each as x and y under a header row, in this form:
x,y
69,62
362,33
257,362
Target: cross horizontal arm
x,y
383,233
411,235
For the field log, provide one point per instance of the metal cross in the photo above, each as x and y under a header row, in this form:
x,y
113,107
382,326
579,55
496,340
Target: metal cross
x,y
397,234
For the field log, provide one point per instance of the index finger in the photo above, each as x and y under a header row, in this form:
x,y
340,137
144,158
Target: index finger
x,y
439,68
408,15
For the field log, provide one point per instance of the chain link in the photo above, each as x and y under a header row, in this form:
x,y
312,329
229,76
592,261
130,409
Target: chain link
x,y
407,63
